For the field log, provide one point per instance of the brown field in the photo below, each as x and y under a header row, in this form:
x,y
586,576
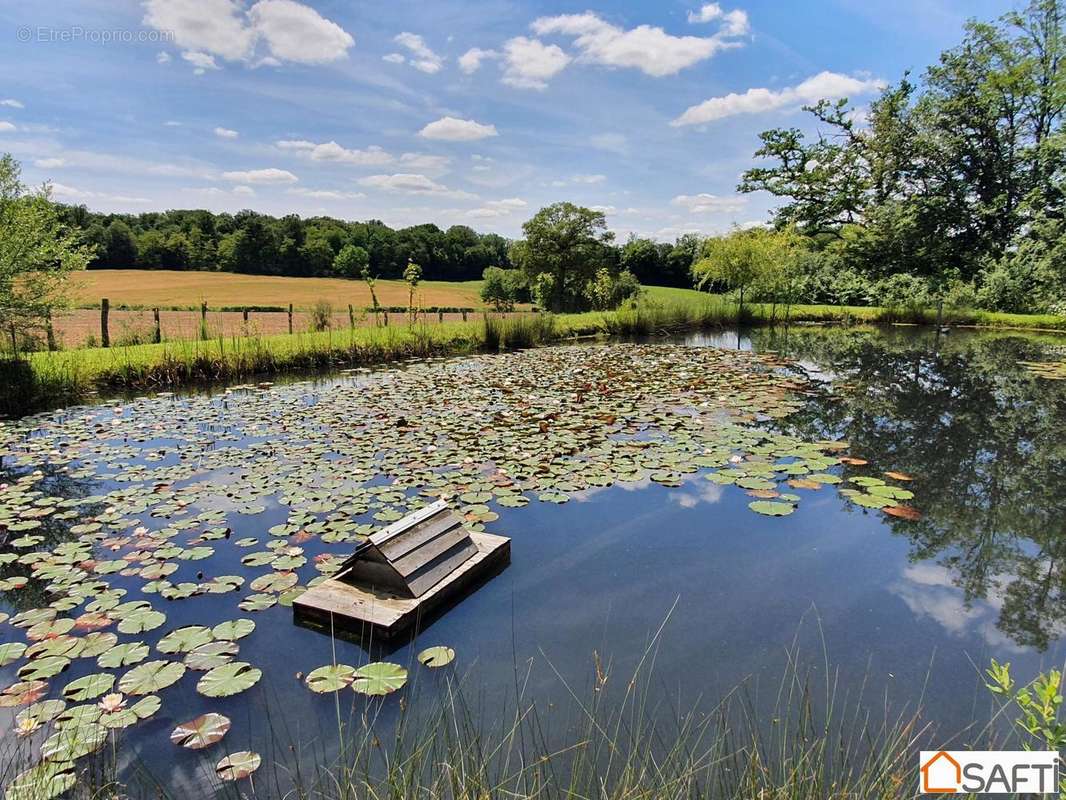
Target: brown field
x,y
150,288
75,328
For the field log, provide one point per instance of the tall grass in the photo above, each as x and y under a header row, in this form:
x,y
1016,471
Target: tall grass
x,y
620,737
41,379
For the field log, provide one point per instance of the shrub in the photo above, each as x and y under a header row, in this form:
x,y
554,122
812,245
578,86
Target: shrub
x,y
322,315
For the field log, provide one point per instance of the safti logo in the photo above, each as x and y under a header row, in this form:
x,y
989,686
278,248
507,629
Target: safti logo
x,y
989,772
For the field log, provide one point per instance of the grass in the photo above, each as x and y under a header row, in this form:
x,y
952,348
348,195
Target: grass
x,y
616,738
765,313
187,290
48,379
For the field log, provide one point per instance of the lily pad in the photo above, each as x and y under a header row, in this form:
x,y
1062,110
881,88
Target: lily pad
x,y
379,678
436,656
151,677
229,679
201,732
237,766
183,640
89,687
233,630
771,508
331,678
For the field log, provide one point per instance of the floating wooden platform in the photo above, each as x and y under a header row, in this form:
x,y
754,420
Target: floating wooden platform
x,y
340,604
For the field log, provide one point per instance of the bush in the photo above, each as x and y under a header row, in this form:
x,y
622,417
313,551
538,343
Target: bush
x,y
503,287
322,315
607,291
902,291
1006,287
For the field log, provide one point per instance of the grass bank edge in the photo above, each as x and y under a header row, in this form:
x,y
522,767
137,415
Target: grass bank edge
x,y
49,379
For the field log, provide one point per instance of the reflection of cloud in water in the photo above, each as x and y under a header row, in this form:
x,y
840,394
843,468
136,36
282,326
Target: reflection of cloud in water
x,y
928,591
708,493
626,486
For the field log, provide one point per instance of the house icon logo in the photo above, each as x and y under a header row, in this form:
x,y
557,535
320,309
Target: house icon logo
x,y
941,774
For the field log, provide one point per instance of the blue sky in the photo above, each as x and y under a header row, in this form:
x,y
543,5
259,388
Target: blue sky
x,y
443,111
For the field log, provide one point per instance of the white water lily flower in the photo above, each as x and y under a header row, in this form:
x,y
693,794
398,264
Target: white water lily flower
x,y
110,703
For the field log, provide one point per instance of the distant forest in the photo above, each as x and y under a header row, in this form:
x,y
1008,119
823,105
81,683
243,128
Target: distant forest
x,y
252,243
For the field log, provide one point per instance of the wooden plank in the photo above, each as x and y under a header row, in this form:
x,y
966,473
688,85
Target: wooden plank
x,y
338,604
413,518
414,537
418,558
437,570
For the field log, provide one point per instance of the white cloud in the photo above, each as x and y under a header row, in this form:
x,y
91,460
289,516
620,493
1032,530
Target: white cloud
x,y
424,59
708,203
829,85
325,194
425,161
611,142
647,48
331,151
201,61
589,178
497,208
295,144
734,23
451,129
6,127
170,123
247,191
295,32
211,26
261,176
226,133
11,103
394,58
707,13
162,57
49,163
62,191
470,61
204,29
412,183
530,64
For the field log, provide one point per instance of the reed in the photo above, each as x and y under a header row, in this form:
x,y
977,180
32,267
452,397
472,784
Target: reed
x,y
615,738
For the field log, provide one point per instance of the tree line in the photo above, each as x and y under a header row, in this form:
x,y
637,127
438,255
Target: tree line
x,y
949,188
253,243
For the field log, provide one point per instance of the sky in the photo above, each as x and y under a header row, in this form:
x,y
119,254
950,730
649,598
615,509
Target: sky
x,y
445,111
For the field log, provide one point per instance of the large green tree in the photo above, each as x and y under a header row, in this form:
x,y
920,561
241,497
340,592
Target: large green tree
x,y
945,176
565,246
37,251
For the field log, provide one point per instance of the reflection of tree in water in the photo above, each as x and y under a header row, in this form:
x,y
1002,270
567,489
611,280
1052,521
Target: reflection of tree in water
x,y
53,483
985,441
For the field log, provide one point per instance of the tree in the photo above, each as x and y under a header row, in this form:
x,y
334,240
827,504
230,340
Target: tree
x,y
412,274
564,248
501,287
351,261
738,261
37,251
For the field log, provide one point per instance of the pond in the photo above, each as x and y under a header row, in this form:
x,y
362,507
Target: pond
x,y
889,503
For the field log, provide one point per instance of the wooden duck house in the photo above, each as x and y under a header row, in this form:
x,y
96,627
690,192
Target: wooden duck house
x,y
404,572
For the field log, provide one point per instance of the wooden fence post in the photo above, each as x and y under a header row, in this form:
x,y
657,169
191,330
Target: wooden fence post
x,y
50,331
245,312
105,311
290,319
440,316
351,316
203,320
158,326
464,315
386,319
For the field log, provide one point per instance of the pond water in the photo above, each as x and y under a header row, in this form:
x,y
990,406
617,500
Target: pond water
x,y
595,461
